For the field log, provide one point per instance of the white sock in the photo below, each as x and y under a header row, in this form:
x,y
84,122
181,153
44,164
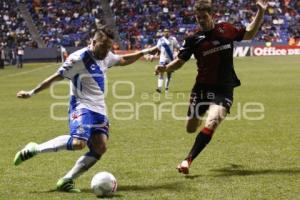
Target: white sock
x,y
56,144
83,164
160,81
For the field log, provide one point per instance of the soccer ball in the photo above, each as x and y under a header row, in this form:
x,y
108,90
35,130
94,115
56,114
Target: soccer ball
x,y
104,184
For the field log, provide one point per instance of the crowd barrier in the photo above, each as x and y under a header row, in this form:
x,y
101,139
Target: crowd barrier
x,y
240,50
266,50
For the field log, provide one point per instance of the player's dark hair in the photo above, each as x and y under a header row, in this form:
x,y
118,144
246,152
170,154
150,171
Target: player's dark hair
x,y
203,5
106,31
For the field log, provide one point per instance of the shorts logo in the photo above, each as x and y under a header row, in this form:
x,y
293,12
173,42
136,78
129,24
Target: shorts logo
x,y
75,116
193,99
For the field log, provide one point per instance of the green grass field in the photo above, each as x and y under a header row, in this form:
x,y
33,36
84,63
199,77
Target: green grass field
x,y
246,159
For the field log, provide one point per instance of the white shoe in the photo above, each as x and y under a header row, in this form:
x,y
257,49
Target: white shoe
x,y
183,167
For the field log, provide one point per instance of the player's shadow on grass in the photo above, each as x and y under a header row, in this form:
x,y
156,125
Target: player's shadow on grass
x,y
238,170
114,196
175,186
84,190
192,176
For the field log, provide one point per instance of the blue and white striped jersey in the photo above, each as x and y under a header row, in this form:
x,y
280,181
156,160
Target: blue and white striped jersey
x,y
166,47
87,79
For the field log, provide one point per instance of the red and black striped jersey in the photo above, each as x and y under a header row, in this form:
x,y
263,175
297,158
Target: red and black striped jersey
x,y
214,53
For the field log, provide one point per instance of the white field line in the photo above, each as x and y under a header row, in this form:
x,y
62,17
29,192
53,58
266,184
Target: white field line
x,y
28,72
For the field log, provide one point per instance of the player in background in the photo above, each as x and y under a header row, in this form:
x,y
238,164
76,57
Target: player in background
x,y
167,45
216,79
64,53
61,54
88,122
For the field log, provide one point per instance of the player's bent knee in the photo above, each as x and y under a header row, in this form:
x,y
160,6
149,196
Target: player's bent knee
x,y
216,115
99,143
212,124
78,144
101,149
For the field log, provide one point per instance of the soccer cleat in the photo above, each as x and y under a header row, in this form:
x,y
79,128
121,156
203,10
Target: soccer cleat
x,y
26,153
183,167
158,90
66,185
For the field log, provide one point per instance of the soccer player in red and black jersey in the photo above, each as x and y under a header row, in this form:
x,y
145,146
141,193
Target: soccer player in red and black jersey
x,y
216,79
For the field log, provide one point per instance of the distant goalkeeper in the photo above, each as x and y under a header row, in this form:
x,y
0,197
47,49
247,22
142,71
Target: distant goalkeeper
x,y
166,45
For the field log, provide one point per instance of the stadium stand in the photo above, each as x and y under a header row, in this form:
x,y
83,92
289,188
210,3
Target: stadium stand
x,y
144,17
66,23
13,29
139,22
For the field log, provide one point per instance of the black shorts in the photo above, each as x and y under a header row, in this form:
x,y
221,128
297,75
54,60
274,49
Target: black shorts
x,y
201,99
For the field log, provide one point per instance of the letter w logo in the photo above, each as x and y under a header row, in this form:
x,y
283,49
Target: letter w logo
x,y
241,51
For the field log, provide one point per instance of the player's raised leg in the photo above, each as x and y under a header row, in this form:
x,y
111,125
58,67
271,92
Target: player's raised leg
x,y
193,124
215,115
63,142
97,146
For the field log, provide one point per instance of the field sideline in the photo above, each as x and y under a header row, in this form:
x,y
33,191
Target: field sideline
x,y
247,159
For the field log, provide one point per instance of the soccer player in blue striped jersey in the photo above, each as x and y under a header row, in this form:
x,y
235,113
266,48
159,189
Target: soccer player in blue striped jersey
x,y
88,122
166,45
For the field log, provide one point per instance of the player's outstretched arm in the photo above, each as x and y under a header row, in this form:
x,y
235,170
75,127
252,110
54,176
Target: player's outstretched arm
x,y
131,58
43,85
172,66
254,26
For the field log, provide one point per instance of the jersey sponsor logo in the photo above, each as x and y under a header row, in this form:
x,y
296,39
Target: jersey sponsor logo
x,y
217,49
93,67
216,42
